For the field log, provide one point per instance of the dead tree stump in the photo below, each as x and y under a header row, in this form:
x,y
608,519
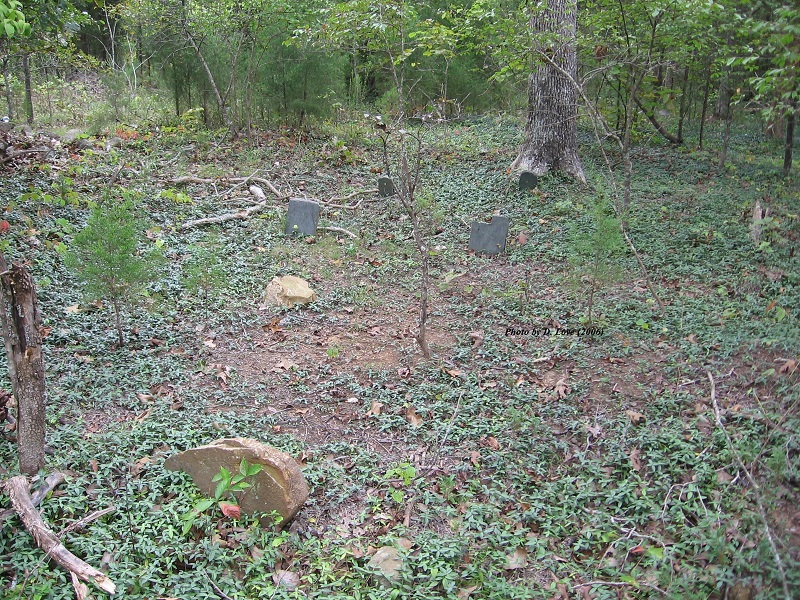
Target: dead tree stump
x,y
21,321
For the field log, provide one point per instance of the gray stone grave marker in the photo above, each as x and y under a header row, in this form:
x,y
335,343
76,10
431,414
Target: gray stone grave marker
x,y
528,181
489,238
302,217
385,186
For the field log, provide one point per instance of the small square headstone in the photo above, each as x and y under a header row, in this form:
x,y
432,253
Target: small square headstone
x,y
528,181
302,217
385,186
489,238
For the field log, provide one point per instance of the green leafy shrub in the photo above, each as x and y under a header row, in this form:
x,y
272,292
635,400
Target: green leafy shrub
x,y
227,486
106,258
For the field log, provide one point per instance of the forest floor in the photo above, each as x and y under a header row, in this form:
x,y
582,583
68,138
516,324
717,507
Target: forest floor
x,y
507,466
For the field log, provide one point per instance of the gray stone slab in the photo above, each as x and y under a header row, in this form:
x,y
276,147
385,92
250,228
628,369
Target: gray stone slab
x,y
489,238
302,217
385,186
528,181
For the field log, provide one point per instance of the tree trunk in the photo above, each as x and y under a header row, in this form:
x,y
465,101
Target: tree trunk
x,y
118,323
704,110
658,126
20,321
551,140
9,99
26,69
789,147
221,105
726,139
684,95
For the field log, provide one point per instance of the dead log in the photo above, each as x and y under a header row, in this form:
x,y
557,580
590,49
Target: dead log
x,y
241,214
50,484
17,490
186,179
20,318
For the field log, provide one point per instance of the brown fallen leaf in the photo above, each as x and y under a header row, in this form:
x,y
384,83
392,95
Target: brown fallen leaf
x,y
284,365
636,463
789,367
476,337
518,559
375,409
413,417
550,379
492,443
286,579
561,388
474,457
465,593
231,510
636,418
594,431
522,238
139,465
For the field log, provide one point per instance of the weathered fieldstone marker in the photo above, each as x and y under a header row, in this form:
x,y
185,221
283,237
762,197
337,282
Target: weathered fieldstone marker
x,y
385,186
302,217
489,238
528,181
288,291
280,486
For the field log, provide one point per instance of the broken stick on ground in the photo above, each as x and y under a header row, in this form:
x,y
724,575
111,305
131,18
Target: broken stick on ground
x,y
17,490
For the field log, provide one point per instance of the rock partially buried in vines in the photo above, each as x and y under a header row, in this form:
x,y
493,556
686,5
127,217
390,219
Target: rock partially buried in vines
x,y
289,291
279,486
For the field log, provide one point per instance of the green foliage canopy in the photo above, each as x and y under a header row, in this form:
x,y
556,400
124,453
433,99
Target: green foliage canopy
x,y
12,19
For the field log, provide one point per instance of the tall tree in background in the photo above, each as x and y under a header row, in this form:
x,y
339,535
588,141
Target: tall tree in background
x,y
551,140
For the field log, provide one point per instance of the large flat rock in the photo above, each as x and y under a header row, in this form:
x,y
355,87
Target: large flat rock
x,y
280,486
288,291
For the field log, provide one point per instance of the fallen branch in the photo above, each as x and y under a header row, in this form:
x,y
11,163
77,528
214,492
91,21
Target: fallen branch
x,y
339,230
17,490
51,483
622,584
241,214
756,490
12,155
186,179
329,203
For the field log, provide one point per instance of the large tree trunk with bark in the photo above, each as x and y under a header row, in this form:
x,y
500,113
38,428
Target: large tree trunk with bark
x,y
551,140
20,319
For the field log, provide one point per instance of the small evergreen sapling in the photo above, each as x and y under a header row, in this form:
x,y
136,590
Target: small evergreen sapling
x,y
104,256
596,255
